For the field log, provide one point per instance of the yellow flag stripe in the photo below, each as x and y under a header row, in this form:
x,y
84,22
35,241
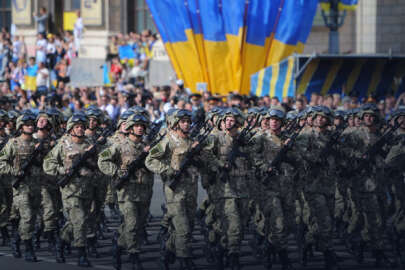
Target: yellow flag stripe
x,y
274,77
354,75
259,87
289,75
306,77
376,77
330,78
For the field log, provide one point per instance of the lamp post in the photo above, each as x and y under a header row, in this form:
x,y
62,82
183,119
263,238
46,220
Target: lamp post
x,y
333,19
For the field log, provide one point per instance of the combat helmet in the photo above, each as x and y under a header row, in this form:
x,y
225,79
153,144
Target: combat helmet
x,y
25,117
76,118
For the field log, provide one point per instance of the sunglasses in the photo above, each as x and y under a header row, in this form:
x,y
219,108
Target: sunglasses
x,y
276,113
28,117
79,118
183,113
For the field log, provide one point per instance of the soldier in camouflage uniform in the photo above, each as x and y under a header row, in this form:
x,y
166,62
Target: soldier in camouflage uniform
x,y
165,159
27,196
77,195
133,197
11,124
51,198
232,193
276,200
367,188
318,187
6,192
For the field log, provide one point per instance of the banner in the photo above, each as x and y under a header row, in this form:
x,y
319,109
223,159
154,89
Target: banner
x,y
223,42
92,12
21,12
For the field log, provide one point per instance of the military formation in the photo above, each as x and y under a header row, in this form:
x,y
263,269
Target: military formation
x,y
316,175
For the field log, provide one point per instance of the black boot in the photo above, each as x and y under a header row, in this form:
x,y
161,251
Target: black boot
x,y
330,260
15,245
38,233
285,261
60,246
5,236
381,260
116,252
50,236
145,237
187,264
162,234
135,261
93,247
29,255
305,254
359,252
82,255
219,257
268,264
234,261
255,244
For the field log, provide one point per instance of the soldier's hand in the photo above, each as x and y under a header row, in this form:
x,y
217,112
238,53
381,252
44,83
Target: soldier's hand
x,y
195,144
37,145
147,148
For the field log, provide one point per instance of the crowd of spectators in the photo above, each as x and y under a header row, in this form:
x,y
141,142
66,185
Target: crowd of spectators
x,y
34,81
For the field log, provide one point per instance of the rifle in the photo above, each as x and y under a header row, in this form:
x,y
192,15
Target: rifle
x,y
26,166
3,144
155,128
136,164
82,160
188,158
375,148
280,156
240,139
195,130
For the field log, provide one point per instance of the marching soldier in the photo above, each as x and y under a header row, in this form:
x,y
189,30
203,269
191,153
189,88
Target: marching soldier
x,y
77,194
6,192
165,159
27,194
134,196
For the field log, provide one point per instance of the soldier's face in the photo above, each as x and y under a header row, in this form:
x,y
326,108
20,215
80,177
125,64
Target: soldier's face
x,y
350,120
122,128
42,122
357,121
78,130
28,128
138,129
275,124
321,121
369,119
184,125
265,124
2,124
230,122
93,123
337,121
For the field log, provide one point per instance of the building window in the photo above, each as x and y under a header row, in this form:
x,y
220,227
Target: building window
x,y
143,18
5,13
72,5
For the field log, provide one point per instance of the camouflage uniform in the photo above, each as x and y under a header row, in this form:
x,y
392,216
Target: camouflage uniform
x,y
134,196
6,199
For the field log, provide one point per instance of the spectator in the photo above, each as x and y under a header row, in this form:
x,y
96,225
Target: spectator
x,y
41,20
42,80
51,52
41,48
78,32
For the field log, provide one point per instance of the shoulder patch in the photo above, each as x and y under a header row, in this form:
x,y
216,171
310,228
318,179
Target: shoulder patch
x,y
105,153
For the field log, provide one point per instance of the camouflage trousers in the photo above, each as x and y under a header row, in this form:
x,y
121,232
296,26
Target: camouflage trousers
x,y
51,205
97,206
132,228
26,204
6,199
180,215
77,212
366,218
320,219
111,193
278,221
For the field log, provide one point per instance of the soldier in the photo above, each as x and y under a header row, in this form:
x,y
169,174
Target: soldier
x,y
6,192
133,197
77,194
367,189
318,188
51,198
232,192
277,199
27,195
165,159
11,124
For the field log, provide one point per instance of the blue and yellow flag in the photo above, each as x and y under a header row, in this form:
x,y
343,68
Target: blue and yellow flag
x,y
223,42
343,4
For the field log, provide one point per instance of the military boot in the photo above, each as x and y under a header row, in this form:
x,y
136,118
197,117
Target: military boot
x,y
82,257
29,255
116,252
145,237
219,257
5,236
268,264
359,252
255,244
285,261
234,261
93,247
50,236
381,260
187,264
306,252
330,260
60,246
38,233
135,261
15,245
162,234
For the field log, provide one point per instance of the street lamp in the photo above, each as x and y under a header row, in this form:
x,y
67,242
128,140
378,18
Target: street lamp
x,y
333,19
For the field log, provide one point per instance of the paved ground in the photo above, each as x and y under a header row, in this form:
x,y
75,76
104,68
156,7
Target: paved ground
x,y
150,255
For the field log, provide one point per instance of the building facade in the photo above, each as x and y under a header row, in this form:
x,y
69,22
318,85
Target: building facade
x,y
375,27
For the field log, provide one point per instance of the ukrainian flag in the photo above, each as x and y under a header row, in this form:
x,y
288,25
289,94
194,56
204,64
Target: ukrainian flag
x,y
223,42
343,4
